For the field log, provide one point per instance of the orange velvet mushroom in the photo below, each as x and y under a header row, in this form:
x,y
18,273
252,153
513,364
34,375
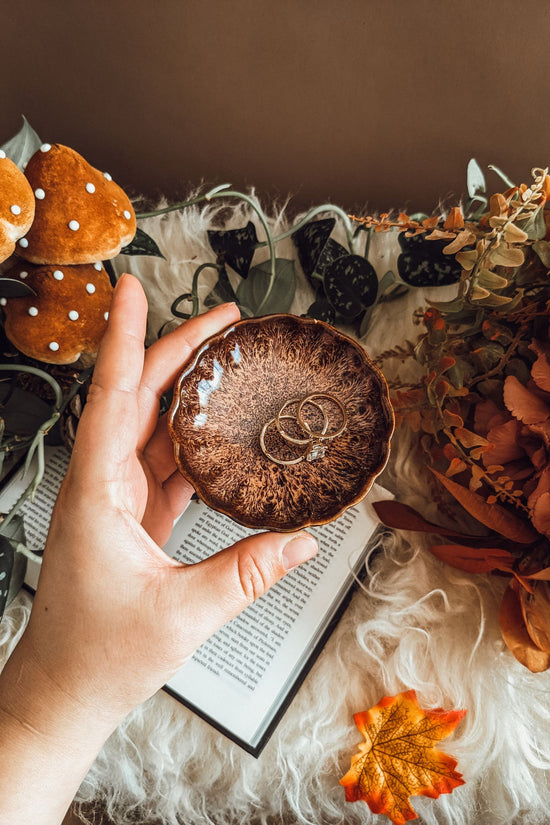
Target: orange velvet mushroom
x,y
16,206
65,318
82,215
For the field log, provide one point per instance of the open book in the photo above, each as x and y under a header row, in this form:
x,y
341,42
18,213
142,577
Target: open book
x,y
243,678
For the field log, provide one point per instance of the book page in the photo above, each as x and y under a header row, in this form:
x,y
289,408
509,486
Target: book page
x,y
242,673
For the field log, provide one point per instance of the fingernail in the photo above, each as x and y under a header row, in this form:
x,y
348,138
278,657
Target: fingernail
x,y
298,550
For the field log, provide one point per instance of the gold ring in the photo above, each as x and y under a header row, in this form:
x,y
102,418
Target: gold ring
x,y
305,426
269,455
292,439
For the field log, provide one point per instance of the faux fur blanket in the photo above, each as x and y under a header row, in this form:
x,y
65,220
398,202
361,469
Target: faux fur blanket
x,y
415,624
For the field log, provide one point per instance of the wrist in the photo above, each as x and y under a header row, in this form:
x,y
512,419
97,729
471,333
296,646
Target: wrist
x,y
49,742
38,702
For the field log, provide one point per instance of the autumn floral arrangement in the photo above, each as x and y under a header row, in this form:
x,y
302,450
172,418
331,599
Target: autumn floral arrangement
x,y
481,404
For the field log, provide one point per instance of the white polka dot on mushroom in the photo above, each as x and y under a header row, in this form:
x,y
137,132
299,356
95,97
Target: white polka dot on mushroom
x,y
45,147
23,274
74,225
73,315
24,243
3,302
2,154
58,275
127,215
98,266
15,209
107,176
40,194
106,316
54,346
90,188
33,311
90,289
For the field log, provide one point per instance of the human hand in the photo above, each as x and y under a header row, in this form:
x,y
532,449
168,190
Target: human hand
x,y
114,617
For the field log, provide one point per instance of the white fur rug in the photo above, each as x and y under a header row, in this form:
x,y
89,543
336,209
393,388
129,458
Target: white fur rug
x,y
416,624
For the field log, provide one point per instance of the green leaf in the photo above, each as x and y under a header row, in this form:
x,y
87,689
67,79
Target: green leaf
x,y
350,285
455,305
142,244
23,145
365,321
542,248
491,280
12,288
534,225
251,292
235,247
387,280
493,300
475,179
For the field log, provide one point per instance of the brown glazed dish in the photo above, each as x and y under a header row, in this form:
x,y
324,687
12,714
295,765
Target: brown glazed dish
x,y
238,380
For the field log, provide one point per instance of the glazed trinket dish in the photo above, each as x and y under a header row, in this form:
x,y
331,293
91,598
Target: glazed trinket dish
x,y
281,422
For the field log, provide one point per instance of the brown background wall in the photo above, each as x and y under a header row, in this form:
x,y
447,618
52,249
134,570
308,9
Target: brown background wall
x,y
354,101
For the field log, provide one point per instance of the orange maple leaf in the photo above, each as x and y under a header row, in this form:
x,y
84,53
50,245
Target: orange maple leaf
x,y
398,758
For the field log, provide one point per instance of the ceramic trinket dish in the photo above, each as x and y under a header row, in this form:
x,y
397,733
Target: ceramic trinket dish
x,y
281,422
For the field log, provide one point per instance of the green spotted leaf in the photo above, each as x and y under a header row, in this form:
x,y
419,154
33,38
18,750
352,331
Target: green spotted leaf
x,y
322,311
351,285
310,242
235,247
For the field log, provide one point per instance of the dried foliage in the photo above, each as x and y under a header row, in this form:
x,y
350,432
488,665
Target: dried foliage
x,y
482,406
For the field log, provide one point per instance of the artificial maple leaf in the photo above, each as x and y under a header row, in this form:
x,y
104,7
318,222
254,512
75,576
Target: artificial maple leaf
x,y
398,758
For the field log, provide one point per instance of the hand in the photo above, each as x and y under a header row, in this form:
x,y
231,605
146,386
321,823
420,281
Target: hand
x,y
114,617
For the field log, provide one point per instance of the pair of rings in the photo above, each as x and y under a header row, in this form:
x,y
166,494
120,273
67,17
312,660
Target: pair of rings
x,y
313,438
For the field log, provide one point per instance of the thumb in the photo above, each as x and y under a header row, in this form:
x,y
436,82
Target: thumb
x,y
220,587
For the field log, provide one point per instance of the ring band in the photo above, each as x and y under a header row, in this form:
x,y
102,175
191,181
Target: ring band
x,y
314,443
269,455
305,426
291,439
